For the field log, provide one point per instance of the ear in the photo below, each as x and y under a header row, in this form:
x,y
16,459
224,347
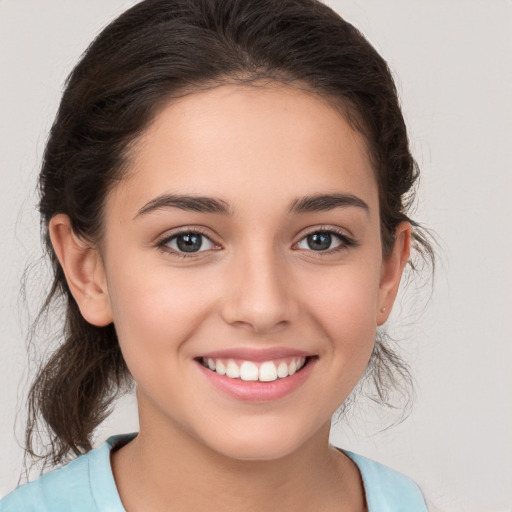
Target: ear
x,y
392,269
84,271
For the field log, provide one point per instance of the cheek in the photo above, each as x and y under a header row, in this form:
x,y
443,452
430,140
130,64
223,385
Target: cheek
x,y
343,304
155,309
346,299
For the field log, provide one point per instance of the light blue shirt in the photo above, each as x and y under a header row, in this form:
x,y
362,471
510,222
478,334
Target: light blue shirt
x,y
87,485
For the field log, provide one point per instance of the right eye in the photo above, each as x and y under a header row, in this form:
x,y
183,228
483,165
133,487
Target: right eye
x,y
187,242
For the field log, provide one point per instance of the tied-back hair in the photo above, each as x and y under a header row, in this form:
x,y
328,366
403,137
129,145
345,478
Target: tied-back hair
x,y
163,49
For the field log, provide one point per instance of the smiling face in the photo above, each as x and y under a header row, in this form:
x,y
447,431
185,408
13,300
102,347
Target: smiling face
x,y
242,267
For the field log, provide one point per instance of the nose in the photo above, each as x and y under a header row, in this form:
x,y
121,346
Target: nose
x,y
260,293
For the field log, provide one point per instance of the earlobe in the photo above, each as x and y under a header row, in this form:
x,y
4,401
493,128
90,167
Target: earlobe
x,y
392,269
84,271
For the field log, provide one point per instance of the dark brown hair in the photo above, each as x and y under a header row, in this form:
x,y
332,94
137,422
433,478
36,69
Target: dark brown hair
x,y
157,50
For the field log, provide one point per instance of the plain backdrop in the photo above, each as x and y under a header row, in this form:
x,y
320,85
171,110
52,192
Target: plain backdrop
x,y
453,64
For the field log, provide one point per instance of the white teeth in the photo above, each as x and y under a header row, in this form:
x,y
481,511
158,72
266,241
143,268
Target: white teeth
x,y
220,368
232,370
248,371
300,363
282,370
268,371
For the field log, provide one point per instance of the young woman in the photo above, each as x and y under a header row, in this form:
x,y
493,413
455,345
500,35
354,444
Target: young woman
x,y
225,193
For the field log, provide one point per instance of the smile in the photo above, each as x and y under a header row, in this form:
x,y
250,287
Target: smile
x,y
265,371
257,375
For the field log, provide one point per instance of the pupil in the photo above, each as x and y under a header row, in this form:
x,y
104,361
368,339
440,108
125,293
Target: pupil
x,y
319,241
189,243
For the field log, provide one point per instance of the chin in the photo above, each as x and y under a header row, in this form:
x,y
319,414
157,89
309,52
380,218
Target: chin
x,y
250,451
265,443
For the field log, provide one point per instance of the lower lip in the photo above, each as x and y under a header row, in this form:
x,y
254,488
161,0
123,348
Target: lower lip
x,y
256,391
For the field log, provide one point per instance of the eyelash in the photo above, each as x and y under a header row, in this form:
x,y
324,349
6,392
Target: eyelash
x,y
345,242
163,244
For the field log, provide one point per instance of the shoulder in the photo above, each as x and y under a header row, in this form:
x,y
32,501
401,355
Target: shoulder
x,y
77,487
52,491
386,489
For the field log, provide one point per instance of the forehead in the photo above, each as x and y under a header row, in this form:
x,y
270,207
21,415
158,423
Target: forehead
x,y
235,141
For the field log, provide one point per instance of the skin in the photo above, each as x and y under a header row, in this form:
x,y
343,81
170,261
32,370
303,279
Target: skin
x,y
258,284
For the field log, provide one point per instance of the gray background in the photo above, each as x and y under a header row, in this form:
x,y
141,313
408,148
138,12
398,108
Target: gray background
x,y
453,65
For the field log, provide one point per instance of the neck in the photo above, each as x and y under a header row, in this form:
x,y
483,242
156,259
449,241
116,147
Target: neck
x,y
159,469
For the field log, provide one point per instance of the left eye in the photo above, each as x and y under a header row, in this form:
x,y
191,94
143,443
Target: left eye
x,y
189,242
322,241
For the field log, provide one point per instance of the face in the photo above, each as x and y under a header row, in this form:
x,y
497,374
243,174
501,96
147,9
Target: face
x,y
243,266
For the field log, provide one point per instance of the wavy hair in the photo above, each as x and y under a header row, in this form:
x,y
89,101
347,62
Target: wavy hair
x,y
156,51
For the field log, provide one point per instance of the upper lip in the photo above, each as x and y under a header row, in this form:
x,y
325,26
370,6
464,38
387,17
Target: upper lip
x,y
252,354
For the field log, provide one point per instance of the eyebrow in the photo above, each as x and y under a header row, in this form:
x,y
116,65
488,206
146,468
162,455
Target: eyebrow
x,y
200,204
326,202
204,204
